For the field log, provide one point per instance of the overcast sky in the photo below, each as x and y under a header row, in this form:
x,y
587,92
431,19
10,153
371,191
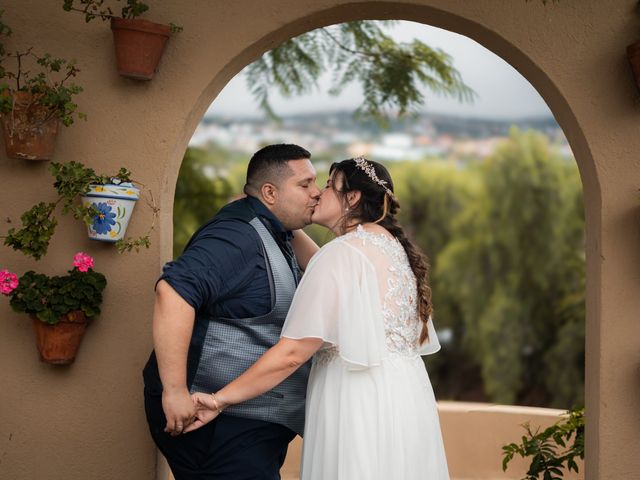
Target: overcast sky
x,y
502,91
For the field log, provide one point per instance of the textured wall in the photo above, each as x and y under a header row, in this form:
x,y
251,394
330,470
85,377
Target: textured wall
x,y
87,421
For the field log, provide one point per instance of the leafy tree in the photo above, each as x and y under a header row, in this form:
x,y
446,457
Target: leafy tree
x,y
202,189
389,73
515,268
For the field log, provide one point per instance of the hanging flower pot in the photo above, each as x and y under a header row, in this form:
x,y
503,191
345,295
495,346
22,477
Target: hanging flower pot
x,y
114,204
59,306
30,129
139,45
58,344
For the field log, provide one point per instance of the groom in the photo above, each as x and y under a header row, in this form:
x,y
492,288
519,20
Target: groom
x,y
218,307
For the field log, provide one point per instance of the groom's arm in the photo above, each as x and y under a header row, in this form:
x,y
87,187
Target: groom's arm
x,y
173,320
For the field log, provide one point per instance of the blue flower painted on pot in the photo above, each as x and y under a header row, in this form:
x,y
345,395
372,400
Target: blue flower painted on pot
x,y
103,221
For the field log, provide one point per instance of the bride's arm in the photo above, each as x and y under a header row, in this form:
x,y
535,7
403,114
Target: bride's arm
x,y
304,248
277,363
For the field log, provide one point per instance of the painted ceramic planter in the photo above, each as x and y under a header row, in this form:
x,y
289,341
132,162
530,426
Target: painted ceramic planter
x,y
115,204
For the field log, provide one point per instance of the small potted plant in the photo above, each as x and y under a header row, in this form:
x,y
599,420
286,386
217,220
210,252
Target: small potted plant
x,y
552,452
59,306
32,108
139,43
103,202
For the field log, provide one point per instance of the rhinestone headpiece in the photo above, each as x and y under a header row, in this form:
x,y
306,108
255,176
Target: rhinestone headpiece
x,y
367,168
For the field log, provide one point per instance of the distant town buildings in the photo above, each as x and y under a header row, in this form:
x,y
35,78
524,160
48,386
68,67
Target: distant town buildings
x,y
338,134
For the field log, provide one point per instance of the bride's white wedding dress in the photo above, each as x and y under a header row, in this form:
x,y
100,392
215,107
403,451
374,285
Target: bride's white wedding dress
x,y
371,412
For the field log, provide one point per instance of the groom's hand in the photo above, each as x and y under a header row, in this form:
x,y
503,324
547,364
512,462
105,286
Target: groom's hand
x,y
178,409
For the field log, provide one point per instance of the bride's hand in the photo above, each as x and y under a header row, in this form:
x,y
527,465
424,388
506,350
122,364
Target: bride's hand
x,y
206,410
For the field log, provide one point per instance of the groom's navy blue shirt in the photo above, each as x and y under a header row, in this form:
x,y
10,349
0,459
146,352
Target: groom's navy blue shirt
x,y
222,271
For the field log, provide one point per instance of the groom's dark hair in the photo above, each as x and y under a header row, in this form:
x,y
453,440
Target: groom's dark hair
x,y
269,164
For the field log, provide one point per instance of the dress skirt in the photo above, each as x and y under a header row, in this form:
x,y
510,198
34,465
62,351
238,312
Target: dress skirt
x,y
380,422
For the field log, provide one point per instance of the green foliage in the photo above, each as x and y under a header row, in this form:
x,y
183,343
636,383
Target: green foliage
x,y
92,9
48,298
96,9
390,73
514,261
72,180
5,32
548,449
202,189
38,228
50,85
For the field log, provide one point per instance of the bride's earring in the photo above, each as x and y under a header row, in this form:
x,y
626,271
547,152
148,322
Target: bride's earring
x,y
346,209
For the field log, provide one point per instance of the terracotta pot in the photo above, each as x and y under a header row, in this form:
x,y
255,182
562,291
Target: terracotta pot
x,y
59,343
139,46
633,56
29,129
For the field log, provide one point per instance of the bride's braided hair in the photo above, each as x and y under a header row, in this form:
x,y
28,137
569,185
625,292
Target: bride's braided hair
x,y
379,205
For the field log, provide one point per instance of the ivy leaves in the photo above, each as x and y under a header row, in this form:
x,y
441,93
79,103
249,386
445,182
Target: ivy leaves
x,y
38,228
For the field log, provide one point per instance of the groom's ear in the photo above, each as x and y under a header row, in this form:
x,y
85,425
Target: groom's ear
x,y
269,193
353,198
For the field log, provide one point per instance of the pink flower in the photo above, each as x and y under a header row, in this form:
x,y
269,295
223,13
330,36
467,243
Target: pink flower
x,y
8,282
82,261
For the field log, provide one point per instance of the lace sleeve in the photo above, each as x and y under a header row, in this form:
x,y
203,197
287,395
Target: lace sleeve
x,y
338,301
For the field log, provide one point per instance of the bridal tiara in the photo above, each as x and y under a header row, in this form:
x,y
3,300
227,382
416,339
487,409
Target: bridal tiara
x,y
367,168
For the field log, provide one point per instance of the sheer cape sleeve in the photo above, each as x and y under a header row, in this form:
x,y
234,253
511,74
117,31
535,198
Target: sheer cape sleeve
x,y
338,301
432,345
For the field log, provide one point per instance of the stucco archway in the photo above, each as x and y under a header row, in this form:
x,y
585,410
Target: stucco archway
x,y
572,54
520,59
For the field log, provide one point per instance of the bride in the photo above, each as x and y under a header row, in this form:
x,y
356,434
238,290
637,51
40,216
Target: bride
x,y
363,312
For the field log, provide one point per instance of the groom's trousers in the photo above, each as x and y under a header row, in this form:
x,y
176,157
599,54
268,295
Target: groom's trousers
x,y
228,448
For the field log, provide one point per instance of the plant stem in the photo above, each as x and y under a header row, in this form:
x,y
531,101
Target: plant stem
x,y
85,11
347,49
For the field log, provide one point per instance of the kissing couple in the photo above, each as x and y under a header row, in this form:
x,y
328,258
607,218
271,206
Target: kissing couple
x,y
248,351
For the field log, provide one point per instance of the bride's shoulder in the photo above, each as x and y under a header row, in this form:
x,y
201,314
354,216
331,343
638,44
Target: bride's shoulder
x,y
337,246
339,250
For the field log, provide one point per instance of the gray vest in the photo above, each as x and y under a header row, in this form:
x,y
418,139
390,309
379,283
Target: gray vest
x,y
231,345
